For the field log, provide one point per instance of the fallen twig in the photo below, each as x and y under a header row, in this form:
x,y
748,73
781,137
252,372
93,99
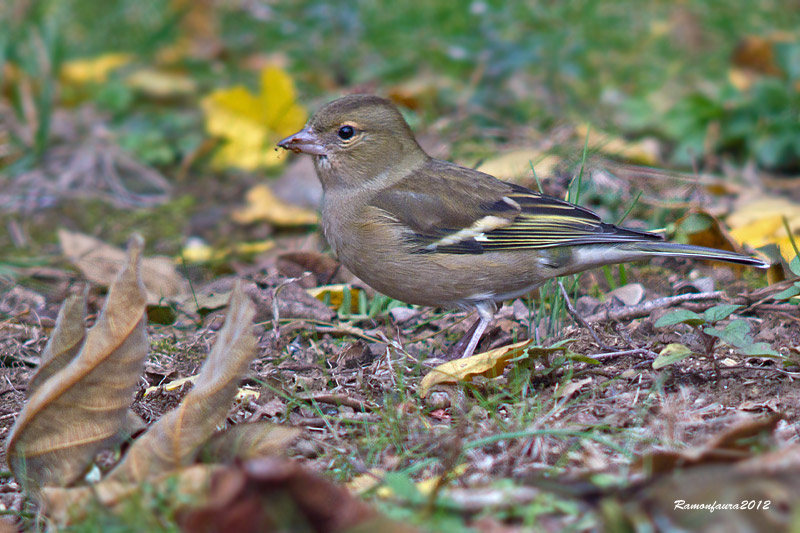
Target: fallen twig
x,y
613,355
645,308
580,320
339,399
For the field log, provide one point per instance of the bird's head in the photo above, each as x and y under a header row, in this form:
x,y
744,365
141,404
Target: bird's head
x,y
356,139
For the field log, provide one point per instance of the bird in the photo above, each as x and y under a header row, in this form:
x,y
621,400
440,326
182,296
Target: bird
x,y
432,233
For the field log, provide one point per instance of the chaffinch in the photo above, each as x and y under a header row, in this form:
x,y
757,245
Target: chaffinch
x,y
429,232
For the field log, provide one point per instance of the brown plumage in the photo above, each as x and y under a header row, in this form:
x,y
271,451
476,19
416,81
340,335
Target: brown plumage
x,y
430,232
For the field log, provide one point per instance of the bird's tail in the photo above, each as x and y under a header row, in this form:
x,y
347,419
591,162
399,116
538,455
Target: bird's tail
x,y
695,252
636,251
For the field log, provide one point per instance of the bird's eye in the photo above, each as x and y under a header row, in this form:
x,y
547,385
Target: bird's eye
x,y
345,132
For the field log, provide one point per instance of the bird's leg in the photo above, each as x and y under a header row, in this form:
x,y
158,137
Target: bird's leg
x,y
485,313
455,350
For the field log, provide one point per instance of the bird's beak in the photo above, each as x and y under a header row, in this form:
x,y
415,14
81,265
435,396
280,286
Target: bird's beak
x,y
303,142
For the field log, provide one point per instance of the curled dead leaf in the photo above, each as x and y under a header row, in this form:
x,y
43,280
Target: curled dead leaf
x,y
68,505
175,439
83,408
248,441
64,343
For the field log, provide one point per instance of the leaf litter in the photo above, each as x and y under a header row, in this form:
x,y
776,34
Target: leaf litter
x,y
334,381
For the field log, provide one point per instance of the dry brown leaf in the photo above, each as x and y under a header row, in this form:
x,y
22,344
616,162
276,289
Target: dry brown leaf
x,y
100,263
84,407
515,164
295,264
62,347
69,505
249,441
571,388
64,342
489,364
262,204
731,500
175,439
273,494
292,302
204,300
731,445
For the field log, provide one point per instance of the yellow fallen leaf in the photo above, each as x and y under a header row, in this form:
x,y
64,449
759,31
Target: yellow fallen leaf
x,y
161,84
252,248
171,386
759,232
247,394
94,70
335,295
426,486
742,79
198,251
251,124
262,204
489,364
762,207
644,152
364,482
760,222
195,250
701,228
517,163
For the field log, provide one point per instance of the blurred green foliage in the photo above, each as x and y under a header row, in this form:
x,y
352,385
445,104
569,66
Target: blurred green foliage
x,y
584,52
626,65
761,123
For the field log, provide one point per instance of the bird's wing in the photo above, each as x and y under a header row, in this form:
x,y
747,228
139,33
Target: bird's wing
x,y
445,208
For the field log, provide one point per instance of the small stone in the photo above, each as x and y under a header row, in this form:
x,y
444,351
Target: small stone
x,y
307,449
437,400
401,314
586,305
630,294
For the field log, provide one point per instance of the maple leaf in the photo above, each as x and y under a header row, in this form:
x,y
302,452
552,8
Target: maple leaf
x,y
252,124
